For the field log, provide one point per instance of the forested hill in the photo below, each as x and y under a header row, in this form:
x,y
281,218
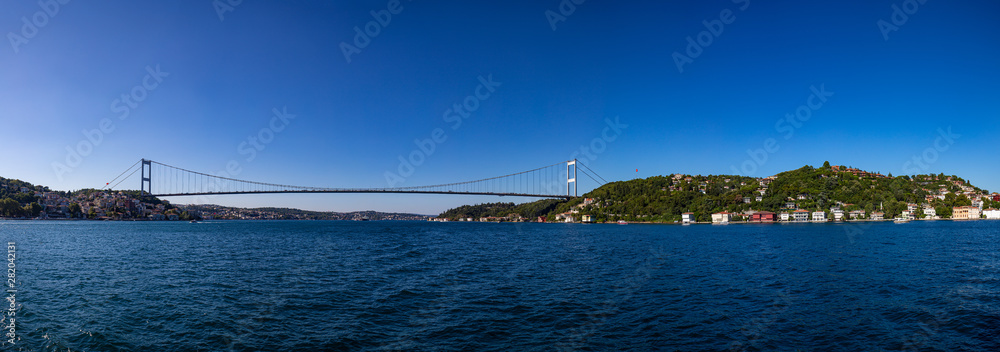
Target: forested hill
x,y
530,210
665,198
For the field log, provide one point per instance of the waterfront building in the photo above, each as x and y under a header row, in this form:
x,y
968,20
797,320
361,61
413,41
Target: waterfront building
x,y
838,215
965,213
819,216
785,216
800,215
588,218
764,216
688,218
722,217
930,212
878,216
857,214
565,217
992,214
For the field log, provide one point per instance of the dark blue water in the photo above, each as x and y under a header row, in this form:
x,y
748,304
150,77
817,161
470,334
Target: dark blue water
x,y
387,286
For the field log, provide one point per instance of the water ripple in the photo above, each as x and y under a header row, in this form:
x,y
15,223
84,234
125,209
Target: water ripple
x,y
396,286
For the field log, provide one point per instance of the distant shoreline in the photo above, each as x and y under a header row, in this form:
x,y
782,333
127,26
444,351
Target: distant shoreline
x,y
158,221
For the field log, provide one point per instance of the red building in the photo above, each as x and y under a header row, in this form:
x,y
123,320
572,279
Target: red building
x,y
764,216
996,197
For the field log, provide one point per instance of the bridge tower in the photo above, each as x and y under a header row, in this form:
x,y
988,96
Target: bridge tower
x,y
146,182
571,178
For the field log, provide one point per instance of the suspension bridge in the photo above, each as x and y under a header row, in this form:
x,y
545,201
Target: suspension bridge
x,y
558,180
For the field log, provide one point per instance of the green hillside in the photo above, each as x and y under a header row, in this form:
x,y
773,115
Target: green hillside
x,y
665,198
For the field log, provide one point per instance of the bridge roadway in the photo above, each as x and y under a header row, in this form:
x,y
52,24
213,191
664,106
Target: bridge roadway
x,y
368,191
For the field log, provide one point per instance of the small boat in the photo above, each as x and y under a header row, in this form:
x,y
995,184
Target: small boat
x,y
194,221
901,220
622,222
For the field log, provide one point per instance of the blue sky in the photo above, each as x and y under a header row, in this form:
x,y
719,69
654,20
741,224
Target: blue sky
x,y
221,77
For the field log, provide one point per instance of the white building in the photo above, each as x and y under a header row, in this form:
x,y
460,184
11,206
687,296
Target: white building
x,y
878,216
721,217
565,217
908,215
930,212
819,216
785,216
800,215
687,218
992,214
838,215
857,214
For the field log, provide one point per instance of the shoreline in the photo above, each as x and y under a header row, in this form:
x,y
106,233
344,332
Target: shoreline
x,y
520,222
705,223
779,222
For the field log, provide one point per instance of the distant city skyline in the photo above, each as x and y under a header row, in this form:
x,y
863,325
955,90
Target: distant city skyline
x,y
326,94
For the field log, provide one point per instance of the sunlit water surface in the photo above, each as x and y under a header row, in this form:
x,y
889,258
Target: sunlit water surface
x,y
386,286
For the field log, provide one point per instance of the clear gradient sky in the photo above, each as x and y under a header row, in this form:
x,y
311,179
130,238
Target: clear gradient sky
x,y
223,70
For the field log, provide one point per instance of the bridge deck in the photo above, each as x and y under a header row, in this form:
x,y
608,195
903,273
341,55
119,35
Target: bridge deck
x,y
368,191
